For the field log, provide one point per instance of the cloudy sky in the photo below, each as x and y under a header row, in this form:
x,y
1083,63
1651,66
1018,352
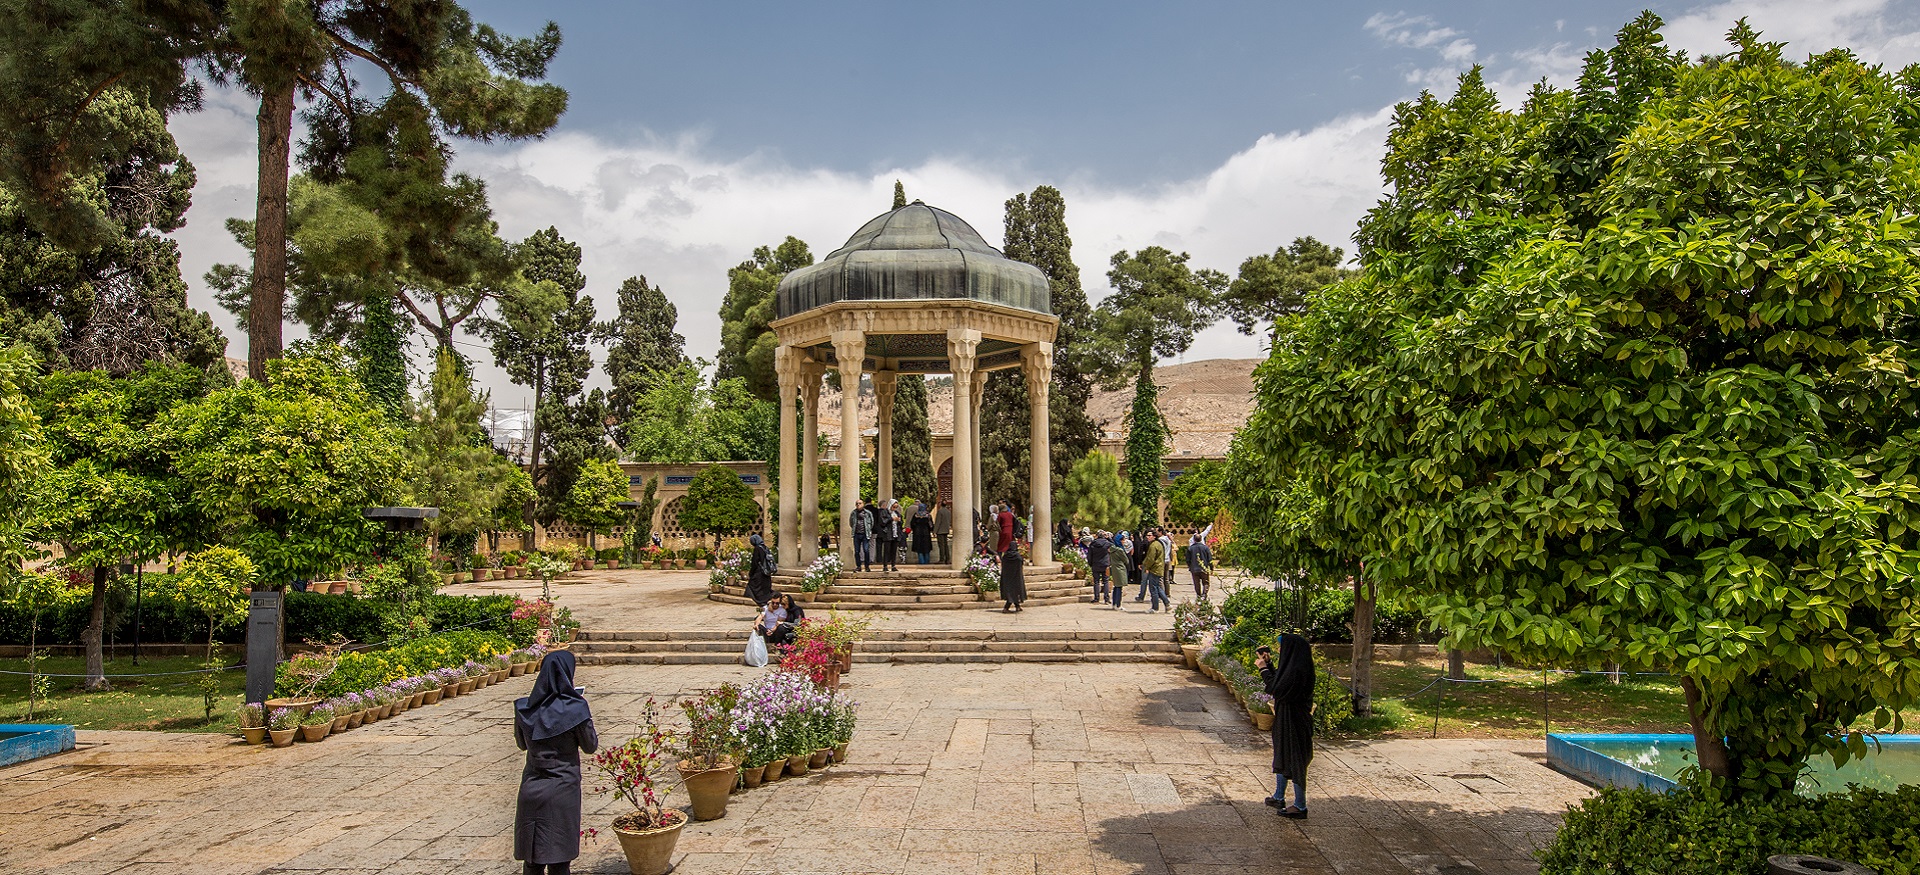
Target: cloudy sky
x,y
700,130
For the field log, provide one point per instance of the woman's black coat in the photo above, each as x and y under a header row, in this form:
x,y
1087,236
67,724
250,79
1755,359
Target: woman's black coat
x,y
1290,682
1013,579
923,534
546,820
759,582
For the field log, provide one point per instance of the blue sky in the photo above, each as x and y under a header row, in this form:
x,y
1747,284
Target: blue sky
x,y
699,130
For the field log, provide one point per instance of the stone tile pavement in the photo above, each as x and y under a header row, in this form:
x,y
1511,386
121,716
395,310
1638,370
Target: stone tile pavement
x,y
1019,768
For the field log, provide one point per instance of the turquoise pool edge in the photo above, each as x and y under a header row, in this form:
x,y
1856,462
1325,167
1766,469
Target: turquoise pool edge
x,y
35,740
1567,752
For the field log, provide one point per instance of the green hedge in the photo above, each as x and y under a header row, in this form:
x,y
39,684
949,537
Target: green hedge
x,y
1691,832
364,670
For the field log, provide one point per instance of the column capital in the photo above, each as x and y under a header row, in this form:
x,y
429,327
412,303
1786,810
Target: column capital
x,y
962,346
784,365
884,383
1036,364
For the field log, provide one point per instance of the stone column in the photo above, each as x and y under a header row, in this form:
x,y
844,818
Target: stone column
x,y
810,373
962,344
1036,364
978,402
850,348
883,386
786,371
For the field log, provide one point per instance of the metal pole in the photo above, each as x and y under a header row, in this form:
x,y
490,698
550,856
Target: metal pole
x,y
1546,718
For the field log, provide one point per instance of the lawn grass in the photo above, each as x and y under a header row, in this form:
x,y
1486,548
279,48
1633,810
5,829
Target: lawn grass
x,y
167,703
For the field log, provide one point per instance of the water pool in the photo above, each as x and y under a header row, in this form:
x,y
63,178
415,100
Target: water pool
x,y
20,742
1655,762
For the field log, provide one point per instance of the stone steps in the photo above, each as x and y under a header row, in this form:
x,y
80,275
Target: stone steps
x,y
915,591
722,647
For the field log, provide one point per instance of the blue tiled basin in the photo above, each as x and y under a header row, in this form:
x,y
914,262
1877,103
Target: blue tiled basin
x,y
1655,761
20,742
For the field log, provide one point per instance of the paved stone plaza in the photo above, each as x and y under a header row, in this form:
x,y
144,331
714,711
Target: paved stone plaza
x,y
1090,768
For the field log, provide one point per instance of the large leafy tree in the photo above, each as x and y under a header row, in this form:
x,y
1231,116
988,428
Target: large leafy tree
x,y
1271,286
1036,233
1647,342
1158,304
1094,494
24,458
680,420
282,468
643,347
116,300
112,495
448,74
540,339
718,503
1197,495
746,343
593,502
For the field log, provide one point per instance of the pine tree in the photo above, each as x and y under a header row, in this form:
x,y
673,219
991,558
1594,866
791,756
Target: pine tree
x,y
454,75
746,341
454,468
1036,233
1093,494
643,347
912,442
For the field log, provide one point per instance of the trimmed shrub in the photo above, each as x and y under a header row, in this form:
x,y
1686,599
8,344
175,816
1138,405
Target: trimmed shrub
x,y
1692,831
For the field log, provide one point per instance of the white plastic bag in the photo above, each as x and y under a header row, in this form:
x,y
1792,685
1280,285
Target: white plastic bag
x,y
756,650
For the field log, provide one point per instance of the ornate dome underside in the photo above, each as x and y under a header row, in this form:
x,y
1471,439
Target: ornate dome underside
x,y
915,253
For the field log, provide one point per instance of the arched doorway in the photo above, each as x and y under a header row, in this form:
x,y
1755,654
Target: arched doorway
x,y
946,480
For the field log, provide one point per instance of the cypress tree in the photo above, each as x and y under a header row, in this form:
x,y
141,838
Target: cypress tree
x,y
644,346
381,347
913,441
1146,449
899,195
1036,233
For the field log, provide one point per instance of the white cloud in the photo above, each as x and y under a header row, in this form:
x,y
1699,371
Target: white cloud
x,y
1868,27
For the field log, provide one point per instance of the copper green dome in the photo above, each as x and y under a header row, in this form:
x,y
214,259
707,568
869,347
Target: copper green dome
x,y
915,253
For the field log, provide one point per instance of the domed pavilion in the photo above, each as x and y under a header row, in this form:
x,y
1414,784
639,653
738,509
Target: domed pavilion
x,y
914,291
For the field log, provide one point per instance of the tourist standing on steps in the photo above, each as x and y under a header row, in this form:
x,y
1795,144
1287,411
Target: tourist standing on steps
x,y
1063,535
943,530
886,528
1154,573
922,527
1004,522
1117,568
1136,559
1099,553
760,570
1200,566
1013,579
554,726
1290,683
861,528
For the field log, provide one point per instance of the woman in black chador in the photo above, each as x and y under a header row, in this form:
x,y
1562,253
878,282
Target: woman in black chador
x,y
1290,683
1013,580
553,726
759,573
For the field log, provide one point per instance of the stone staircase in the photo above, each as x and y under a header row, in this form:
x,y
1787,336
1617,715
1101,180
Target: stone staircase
x,y
915,589
724,647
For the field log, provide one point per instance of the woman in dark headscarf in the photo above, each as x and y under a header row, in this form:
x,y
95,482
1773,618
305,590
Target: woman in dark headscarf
x,y
1013,580
554,726
1290,683
759,578
922,526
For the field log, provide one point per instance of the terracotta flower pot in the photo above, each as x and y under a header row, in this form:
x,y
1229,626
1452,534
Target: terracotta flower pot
x,y
797,764
517,669
1262,722
773,771
466,686
315,733
1192,654
355,719
839,753
340,722
254,734
846,659
282,737
499,676
819,758
416,700
431,697
708,788
753,775
369,716
650,851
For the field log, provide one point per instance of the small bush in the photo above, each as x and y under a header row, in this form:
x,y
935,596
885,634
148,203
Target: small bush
x,y
1691,831
1329,617
1332,703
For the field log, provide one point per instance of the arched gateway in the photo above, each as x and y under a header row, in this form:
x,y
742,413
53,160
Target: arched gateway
x,y
914,291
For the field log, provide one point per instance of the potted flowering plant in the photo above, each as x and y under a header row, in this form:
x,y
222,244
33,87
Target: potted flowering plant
x,y
814,659
844,718
253,722
710,768
820,573
984,571
632,770
1191,622
315,724
282,725
547,569
840,631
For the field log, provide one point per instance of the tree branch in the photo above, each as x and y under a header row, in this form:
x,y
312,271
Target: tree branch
x,y
368,56
334,98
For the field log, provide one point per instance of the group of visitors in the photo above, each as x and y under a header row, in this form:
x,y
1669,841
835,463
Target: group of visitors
x,y
1117,557
880,529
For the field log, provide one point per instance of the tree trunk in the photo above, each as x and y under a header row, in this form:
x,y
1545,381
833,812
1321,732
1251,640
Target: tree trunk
x,y
1708,745
268,298
96,632
1363,599
1457,665
1613,673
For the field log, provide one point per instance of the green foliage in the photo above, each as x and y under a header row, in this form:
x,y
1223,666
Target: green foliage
x,y
1691,831
594,500
1329,620
1196,496
1272,286
282,469
1332,703
1257,603
1094,495
746,341
1619,387
216,581
361,670
912,441
1147,444
679,420
718,503
454,467
381,347
1158,304
24,457
899,195
643,349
